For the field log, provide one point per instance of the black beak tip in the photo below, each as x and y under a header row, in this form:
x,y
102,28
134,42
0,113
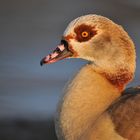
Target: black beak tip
x,y
42,62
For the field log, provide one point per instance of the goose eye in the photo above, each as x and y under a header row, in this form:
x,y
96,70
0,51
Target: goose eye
x,y
85,34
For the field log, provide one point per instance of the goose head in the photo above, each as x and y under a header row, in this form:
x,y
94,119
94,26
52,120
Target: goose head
x,y
103,43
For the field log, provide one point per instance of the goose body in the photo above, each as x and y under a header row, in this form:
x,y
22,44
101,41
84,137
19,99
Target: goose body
x,y
94,106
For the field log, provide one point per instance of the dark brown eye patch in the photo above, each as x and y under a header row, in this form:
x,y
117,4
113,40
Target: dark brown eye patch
x,y
83,29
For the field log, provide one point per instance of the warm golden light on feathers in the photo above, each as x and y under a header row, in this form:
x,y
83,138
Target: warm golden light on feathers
x,y
87,110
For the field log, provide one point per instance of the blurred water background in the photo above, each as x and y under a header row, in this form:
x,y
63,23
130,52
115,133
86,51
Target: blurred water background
x,y
30,29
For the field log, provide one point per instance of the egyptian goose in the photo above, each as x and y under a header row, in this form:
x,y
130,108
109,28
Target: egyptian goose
x,y
95,105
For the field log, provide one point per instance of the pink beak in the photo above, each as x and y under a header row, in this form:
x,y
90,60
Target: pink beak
x,y
61,52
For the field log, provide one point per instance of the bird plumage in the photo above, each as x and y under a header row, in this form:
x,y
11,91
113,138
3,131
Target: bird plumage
x,y
94,106
125,114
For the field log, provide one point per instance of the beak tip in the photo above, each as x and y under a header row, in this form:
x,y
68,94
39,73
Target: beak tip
x,y
42,62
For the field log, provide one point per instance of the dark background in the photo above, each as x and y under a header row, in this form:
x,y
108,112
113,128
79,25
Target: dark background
x,y
30,29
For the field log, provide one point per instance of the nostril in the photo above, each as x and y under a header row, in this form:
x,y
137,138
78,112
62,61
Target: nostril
x,y
64,42
57,50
